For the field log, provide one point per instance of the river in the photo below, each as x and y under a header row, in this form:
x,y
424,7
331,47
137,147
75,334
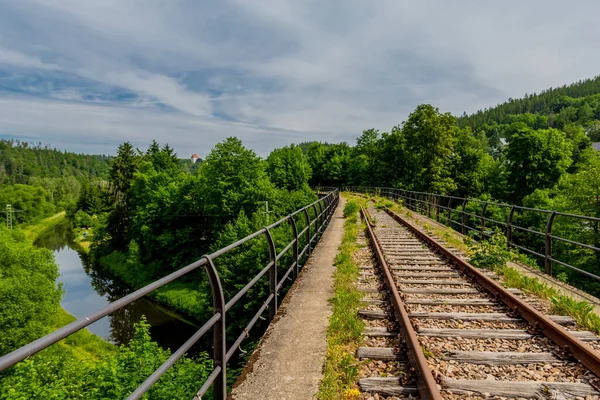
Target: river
x,y
87,289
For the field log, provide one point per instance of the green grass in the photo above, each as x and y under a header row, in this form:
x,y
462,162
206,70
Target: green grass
x,y
345,327
83,344
184,297
32,232
83,242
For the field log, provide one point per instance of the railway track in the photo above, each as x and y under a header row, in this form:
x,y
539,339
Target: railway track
x,y
437,328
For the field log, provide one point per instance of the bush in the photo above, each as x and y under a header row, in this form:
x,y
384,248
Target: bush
x,y
82,219
28,291
351,208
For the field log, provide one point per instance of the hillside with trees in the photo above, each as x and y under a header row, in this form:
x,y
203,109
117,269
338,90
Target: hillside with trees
x,y
534,152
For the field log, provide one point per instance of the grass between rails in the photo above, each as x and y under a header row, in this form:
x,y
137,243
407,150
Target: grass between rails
x,y
495,255
344,333
32,232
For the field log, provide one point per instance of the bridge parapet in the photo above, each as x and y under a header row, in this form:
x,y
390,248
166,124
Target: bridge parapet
x,y
307,225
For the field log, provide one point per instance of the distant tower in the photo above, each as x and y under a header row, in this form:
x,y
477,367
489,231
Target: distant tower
x,y
195,158
9,216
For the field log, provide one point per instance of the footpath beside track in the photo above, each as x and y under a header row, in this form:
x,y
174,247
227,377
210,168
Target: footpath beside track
x,y
440,328
287,363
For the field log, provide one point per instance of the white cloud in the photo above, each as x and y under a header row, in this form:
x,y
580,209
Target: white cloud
x,y
277,71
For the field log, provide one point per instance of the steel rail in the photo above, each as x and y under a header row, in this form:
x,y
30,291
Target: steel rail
x,y
426,384
568,343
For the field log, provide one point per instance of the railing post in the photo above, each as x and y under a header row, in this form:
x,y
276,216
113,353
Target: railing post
x,y
272,274
437,208
449,222
509,227
219,331
463,219
548,247
321,222
428,202
307,216
295,247
316,222
482,220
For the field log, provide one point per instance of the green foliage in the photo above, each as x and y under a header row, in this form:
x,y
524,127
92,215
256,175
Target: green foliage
x,y
28,292
33,203
492,253
235,179
82,219
288,168
578,102
537,160
59,373
34,164
329,163
429,145
351,208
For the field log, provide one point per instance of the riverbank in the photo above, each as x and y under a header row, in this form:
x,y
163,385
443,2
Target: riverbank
x,y
181,297
84,344
33,232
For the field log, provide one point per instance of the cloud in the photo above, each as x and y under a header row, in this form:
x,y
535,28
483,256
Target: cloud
x,y
272,71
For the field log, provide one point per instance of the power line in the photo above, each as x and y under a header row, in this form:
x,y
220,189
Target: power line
x,y
10,215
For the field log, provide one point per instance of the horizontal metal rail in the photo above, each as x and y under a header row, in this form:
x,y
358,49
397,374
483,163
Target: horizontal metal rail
x,y
322,211
444,207
568,343
426,384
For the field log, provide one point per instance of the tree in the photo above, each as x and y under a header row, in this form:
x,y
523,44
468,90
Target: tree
x,y
288,167
429,145
536,160
122,169
316,160
365,163
28,291
235,179
32,202
471,163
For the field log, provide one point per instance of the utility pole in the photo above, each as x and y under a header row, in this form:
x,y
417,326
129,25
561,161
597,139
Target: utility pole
x,y
10,215
267,211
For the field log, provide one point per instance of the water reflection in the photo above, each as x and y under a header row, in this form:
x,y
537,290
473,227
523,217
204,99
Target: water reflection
x,y
88,289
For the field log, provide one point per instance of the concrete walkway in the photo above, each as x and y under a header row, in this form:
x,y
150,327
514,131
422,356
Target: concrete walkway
x,y
287,364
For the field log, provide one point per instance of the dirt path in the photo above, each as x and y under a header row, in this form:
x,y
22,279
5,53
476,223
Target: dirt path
x,y
289,359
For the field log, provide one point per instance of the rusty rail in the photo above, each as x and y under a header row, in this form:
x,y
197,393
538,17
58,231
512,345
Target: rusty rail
x,y
426,384
569,344
445,206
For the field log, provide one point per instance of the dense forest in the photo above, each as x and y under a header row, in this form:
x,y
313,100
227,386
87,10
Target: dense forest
x,y
39,181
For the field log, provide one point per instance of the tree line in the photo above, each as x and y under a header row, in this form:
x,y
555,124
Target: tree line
x,y
535,152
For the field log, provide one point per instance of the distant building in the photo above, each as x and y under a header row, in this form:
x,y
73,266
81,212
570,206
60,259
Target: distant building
x,y
596,146
195,158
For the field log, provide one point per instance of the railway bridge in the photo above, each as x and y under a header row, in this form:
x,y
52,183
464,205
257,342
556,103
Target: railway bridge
x,y
435,326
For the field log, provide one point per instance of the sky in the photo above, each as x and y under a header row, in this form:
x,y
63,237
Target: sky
x,y
86,75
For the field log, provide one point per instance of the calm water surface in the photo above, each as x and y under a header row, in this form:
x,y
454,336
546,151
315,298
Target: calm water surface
x,y
87,289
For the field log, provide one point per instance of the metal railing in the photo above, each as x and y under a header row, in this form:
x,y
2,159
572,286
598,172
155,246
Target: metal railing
x,y
321,210
467,214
